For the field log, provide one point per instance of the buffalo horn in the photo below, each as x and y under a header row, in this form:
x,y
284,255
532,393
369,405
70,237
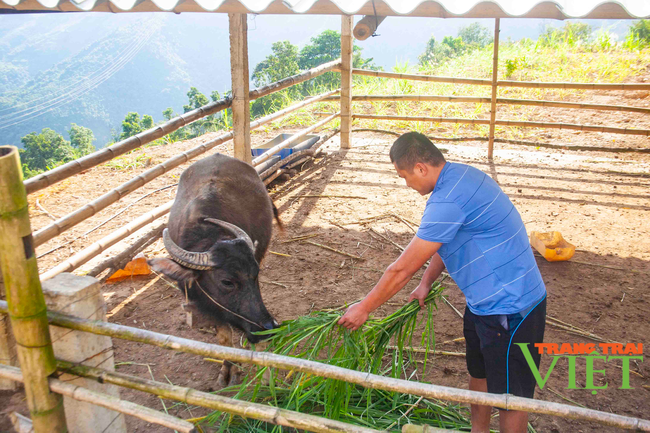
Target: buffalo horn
x,y
239,233
189,259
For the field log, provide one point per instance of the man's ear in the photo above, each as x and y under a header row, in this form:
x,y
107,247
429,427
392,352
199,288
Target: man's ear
x,y
420,168
173,270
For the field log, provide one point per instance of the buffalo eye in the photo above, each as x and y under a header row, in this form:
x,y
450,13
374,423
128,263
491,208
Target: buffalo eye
x,y
228,284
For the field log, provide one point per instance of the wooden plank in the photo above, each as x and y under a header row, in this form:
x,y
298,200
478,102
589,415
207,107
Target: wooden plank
x,y
346,80
495,72
239,78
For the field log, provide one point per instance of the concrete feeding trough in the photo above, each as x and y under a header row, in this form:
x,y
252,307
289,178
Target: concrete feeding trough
x,y
303,143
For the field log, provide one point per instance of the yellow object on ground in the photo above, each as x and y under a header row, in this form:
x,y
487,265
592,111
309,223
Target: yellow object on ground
x,y
137,266
552,246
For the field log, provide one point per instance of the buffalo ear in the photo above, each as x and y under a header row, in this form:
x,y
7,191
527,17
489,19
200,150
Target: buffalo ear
x,y
173,270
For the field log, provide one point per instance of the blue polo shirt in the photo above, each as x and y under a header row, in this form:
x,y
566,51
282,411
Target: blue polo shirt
x,y
485,245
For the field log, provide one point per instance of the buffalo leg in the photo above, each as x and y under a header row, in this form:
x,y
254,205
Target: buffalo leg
x,y
229,374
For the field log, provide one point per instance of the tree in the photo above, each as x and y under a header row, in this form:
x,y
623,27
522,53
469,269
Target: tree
x,y
131,125
81,140
44,151
282,63
475,35
147,122
437,53
196,100
173,136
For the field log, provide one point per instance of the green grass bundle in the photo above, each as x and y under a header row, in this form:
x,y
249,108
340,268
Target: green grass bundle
x,y
318,337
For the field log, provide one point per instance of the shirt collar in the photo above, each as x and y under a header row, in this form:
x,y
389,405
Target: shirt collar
x,y
441,177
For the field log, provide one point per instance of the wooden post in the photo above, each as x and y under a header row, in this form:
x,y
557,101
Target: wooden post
x,y
239,78
495,70
26,304
346,81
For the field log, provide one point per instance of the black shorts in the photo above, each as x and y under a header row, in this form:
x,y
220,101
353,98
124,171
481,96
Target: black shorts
x,y
493,355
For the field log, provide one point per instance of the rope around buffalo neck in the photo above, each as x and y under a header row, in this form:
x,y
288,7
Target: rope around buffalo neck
x,y
231,312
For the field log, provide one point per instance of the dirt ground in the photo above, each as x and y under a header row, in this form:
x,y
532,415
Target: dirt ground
x,y
599,201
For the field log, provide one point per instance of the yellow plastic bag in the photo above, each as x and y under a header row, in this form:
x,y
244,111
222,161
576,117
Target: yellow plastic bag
x,y
552,246
137,266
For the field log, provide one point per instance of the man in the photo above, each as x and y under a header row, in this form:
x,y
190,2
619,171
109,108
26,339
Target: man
x,y
471,228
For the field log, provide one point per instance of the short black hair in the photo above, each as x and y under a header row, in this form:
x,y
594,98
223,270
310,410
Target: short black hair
x,y
413,147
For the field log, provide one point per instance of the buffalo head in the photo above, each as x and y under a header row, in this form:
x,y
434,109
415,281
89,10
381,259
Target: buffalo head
x,y
222,281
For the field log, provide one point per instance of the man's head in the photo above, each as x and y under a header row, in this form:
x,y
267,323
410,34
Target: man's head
x,y
418,161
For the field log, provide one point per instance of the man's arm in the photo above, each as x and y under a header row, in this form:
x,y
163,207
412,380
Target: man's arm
x,y
394,279
435,268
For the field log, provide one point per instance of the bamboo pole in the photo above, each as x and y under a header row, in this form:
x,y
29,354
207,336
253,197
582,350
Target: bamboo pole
x,y
102,202
25,301
518,123
295,137
239,79
190,396
509,101
493,105
266,359
432,78
588,128
106,242
419,98
65,171
107,401
575,86
423,119
58,174
578,105
346,80
334,65
120,260
70,220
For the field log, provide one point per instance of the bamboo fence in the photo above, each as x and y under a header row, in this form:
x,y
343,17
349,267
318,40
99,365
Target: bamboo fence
x,y
518,123
73,218
486,100
423,119
191,396
84,163
503,83
266,359
106,242
417,77
360,378
105,400
25,300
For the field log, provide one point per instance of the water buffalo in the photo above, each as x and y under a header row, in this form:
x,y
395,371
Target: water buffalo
x,y
219,229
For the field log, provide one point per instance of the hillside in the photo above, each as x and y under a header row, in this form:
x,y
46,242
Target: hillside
x,y
133,68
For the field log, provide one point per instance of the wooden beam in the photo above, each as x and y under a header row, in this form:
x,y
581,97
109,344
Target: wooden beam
x,y
495,71
367,26
346,80
239,78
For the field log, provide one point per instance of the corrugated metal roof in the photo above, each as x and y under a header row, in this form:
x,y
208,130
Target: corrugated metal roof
x,y
558,9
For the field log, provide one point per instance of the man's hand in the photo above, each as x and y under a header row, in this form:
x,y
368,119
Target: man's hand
x,y
420,293
354,317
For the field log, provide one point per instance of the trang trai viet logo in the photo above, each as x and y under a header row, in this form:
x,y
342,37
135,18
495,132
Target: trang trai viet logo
x,y
589,354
